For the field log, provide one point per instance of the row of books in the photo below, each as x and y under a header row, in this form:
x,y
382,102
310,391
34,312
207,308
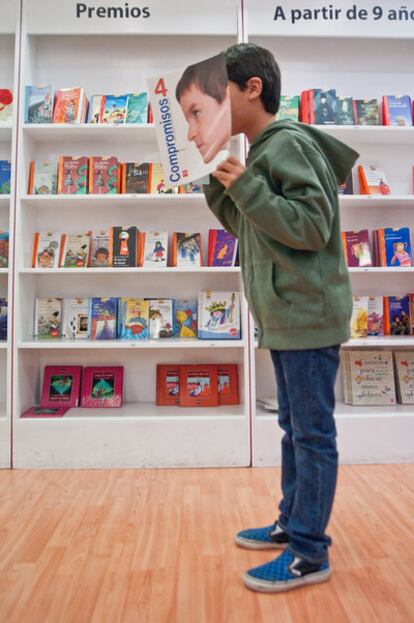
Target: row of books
x,y
5,177
126,247
6,106
325,107
382,315
377,377
100,175
3,319
372,181
65,387
47,105
4,249
214,315
391,245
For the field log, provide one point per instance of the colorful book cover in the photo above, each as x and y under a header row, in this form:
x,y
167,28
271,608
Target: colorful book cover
x,y
3,319
75,319
367,112
193,187
124,242
397,315
168,385
371,375
73,175
322,106
359,318
304,112
137,110
219,315
357,248
157,182
289,108
101,251
96,109
45,412
375,315
61,386
222,248
397,110
48,319
395,246
347,188
198,386
114,109
411,299
39,104
103,318
136,177
5,177
46,250
345,111
160,318
372,180
154,249
102,387
185,318
186,249
228,384
43,178
404,372
135,319
4,249
76,250
103,175
69,105
6,106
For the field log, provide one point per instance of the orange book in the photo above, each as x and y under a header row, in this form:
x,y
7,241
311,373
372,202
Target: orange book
x,y
198,386
228,384
168,385
386,316
69,105
47,250
73,175
31,177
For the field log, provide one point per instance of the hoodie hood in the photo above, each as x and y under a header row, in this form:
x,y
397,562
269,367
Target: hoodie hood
x,y
340,157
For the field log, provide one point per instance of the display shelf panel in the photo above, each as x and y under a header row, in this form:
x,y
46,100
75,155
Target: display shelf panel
x,y
372,135
132,271
377,201
129,133
96,201
346,411
4,271
165,343
386,341
383,270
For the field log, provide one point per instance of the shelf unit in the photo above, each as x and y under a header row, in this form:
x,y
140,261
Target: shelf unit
x,y
353,65
9,58
102,60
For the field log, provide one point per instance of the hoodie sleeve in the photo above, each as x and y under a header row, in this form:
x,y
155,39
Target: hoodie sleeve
x,y
222,206
301,216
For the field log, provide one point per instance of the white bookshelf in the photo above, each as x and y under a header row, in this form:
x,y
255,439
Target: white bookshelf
x,y
358,61
140,434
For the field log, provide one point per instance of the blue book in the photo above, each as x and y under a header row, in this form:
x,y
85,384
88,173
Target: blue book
x,y
3,320
137,110
39,104
397,110
397,246
114,109
185,318
5,176
397,315
103,317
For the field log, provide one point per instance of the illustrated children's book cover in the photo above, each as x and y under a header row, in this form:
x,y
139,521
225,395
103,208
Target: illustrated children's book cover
x,y
137,110
43,178
48,319
104,175
222,248
372,180
367,112
157,180
186,249
345,111
6,106
4,249
168,386
3,319
161,318
404,372
134,319
76,250
375,315
102,387
394,246
44,412
5,177
191,109
198,386
96,108
114,109
101,249
357,248
289,108
359,319
39,104
228,384
153,248
185,318
75,319
103,318
396,110
322,106
61,386
219,315
73,175
46,250
136,177
69,105
369,376
124,242
397,315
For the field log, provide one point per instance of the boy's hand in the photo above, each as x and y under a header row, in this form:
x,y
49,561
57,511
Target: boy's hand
x,y
229,171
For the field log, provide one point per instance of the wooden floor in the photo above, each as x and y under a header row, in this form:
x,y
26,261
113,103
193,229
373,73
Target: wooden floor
x,y
157,547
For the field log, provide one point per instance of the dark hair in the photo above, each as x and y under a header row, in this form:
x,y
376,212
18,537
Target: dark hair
x,y
209,75
103,251
247,60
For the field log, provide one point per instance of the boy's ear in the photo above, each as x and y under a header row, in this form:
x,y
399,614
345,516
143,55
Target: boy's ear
x,y
254,87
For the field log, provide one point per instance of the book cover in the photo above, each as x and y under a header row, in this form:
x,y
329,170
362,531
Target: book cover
x,y
39,104
68,105
48,319
186,318
304,113
103,318
76,250
375,315
347,188
404,373
102,387
75,319
73,175
114,109
198,386
160,318
135,178
103,175
3,319
219,315
153,249
289,108
411,300
46,250
95,109
135,319
124,243
371,378
222,248
345,111
372,180
359,318
191,144
322,106
5,177
101,249
357,248
367,112
137,110
6,106
397,110
397,315
4,249
395,246
186,249
43,178
228,384
44,412
157,183
61,386
193,187
168,386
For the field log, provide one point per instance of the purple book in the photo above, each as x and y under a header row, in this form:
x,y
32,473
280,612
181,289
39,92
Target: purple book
x,y
222,248
357,248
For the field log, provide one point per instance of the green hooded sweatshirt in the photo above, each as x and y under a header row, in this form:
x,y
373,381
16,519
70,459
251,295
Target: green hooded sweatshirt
x,y
284,211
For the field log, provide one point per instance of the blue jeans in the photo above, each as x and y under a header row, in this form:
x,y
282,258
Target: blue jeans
x,y
305,381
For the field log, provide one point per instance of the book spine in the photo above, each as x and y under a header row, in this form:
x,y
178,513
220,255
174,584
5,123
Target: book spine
x,y
31,177
63,250
386,315
150,177
91,175
35,247
382,248
60,175
343,236
386,120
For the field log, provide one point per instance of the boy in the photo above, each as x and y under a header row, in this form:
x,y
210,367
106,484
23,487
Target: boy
x,y
283,207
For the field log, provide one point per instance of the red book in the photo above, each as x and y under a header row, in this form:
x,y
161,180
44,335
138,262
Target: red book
x,y
38,412
102,387
61,386
73,175
304,107
198,386
104,176
168,385
228,384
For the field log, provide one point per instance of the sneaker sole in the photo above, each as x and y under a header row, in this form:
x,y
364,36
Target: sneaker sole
x,y
251,544
264,586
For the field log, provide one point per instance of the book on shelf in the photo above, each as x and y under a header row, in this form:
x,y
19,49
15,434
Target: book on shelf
x,y
322,106
114,109
393,246
124,245
167,392
43,177
228,384
48,319
193,187
70,105
345,111
198,386
134,319
357,248
44,412
75,319
218,315
101,249
135,177
4,249
411,305
61,386
404,376
222,248
367,112
160,318
137,108
397,315
359,318
6,106
39,104
95,109
304,107
157,180
375,316
102,387
186,249
47,250
347,188
76,249
153,249
73,175
396,110
288,108
185,318
368,377
103,318
372,180
104,177
5,177
3,319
